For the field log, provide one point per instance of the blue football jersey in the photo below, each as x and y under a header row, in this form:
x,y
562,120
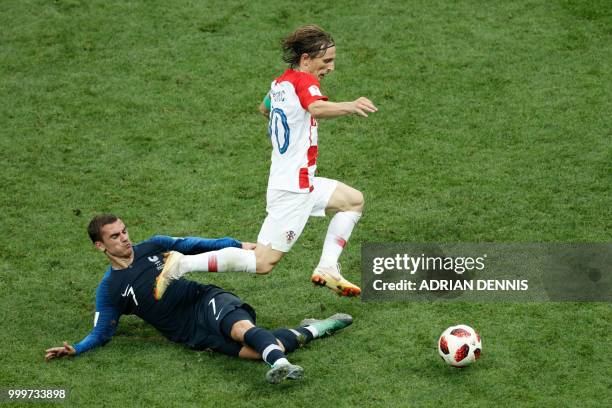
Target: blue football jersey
x,y
130,291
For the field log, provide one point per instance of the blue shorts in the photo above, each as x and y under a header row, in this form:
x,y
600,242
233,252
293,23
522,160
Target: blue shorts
x,y
216,314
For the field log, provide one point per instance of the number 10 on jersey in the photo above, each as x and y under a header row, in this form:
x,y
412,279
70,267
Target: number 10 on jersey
x,y
278,129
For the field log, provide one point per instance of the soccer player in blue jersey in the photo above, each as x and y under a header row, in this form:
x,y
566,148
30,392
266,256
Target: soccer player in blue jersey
x,y
203,317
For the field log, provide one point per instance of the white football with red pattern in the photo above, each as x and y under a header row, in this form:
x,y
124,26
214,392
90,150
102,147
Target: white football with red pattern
x,y
459,345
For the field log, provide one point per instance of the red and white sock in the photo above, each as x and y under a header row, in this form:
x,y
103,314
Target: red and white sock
x,y
338,233
224,260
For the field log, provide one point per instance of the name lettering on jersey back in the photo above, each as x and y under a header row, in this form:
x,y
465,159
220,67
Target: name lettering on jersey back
x,y
278,96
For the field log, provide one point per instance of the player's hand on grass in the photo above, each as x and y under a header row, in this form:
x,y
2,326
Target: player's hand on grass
x,y
57,352
249,245
362,106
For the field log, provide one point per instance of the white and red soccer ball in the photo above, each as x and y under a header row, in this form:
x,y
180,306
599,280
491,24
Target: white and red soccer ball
x,y
459,345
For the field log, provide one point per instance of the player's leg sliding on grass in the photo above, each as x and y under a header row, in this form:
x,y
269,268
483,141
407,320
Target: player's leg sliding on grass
x,y
273,346
259,343
280,231
225,260
202,317
238,325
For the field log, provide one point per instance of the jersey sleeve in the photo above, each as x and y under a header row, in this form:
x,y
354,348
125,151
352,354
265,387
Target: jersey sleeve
x,y
267,102
194,245
308,90
105,320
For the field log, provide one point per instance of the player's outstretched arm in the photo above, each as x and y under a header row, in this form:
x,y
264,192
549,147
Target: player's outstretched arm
x,y
193,245
57,352
324,109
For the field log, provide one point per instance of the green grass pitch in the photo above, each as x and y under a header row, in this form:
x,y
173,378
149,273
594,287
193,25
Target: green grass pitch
x,y
494,125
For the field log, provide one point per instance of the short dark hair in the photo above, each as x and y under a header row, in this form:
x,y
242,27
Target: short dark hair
x,y
94,229
310,39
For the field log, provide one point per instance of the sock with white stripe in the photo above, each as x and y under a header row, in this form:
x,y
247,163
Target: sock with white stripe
x,y
264,342
224,260
313,331
339,231
293,338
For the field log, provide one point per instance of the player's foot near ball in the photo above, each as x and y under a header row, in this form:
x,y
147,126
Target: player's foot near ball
x,y
329,326
168,274
330,277
280,372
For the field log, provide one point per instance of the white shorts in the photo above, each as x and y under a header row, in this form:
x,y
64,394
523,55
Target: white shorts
x,y
288,213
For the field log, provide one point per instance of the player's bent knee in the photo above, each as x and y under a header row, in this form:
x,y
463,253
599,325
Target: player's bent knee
x,y
264,268
345,198
354,201
358,201
266,259
240,328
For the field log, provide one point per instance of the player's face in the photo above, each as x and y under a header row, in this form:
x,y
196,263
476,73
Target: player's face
x,y
323,65
115,240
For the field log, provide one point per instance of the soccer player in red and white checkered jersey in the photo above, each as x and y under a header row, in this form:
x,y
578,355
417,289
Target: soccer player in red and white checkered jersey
x,y
294,105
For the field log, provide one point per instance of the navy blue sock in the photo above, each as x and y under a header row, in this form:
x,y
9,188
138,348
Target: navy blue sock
x,y
293,338
264,342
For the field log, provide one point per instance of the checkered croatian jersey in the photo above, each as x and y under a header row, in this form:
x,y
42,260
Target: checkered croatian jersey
x,y
293,131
